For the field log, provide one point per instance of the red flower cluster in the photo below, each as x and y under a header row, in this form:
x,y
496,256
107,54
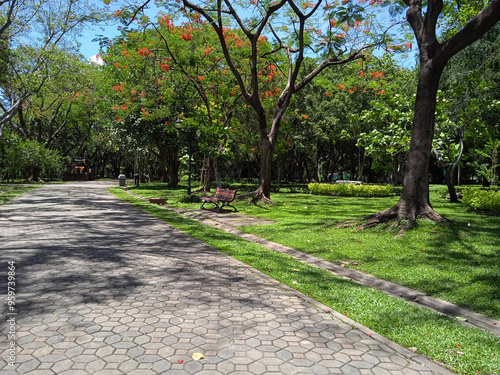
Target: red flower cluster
x,y
186,37
143,52
119,88
377,75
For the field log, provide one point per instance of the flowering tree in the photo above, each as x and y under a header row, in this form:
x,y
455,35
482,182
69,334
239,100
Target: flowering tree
x,y
160,71
296,27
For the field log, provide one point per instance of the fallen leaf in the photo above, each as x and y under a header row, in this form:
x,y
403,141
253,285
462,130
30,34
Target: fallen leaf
x,y
295,269
198,356
413,349
180,360
460,318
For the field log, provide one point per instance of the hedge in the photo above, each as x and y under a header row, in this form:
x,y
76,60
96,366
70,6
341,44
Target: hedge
x,y
351,190
477,199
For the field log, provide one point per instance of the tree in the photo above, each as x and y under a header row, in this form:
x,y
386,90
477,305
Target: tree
x,y
30,32
433,57
295,42
470,87
58,111
21,157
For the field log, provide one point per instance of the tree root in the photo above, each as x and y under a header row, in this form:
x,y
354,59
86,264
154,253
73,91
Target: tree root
x,y
402,220
38,180
255,197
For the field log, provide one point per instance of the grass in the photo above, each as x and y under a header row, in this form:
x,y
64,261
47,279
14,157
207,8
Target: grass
x,y
462,349
8,192
458,263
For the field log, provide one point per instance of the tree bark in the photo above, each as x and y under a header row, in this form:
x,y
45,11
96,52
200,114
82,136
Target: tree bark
x,y
205,175
35,173
172,172
264,190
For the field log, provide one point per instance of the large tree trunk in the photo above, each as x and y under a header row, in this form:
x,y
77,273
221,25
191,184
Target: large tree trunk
x,y
35,173
263,193
173,165
414,202
205,175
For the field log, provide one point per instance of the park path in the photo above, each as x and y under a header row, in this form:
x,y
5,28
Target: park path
x,y
104,288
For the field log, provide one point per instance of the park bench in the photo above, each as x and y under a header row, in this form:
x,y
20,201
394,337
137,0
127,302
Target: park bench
x,y
222,198
158,200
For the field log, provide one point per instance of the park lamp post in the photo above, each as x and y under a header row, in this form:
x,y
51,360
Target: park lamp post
x,y
178,125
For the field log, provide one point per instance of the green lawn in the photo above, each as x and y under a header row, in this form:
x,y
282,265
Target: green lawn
x,y
462,349
8,192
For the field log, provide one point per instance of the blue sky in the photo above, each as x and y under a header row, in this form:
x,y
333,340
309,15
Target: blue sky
x,y
89,48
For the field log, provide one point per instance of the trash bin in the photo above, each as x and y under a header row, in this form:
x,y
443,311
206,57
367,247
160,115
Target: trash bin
x,y
121,179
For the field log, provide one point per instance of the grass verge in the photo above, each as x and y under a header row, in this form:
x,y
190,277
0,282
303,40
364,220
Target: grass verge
x,y
8,192
462,349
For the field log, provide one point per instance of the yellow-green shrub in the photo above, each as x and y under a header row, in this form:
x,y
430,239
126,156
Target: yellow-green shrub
x,y
478,199
351,190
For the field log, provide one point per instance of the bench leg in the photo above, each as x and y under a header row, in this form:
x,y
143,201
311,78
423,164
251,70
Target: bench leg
x,y
226,204
205,202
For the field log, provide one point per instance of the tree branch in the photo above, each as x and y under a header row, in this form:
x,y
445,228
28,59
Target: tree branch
x,y
471,32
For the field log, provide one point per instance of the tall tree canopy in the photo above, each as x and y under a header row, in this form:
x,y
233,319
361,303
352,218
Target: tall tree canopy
x,y
31,32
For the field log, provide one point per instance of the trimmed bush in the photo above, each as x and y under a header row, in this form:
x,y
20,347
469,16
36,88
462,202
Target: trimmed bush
x,y
190,199
478,199
351,190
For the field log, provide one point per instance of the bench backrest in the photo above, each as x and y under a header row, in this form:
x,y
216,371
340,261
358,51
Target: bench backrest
x,y
225,194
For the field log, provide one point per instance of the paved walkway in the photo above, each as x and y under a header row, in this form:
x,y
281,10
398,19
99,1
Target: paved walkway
x,y
103,288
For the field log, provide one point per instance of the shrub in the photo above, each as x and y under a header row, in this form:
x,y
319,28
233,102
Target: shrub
x,y
351,190
190,199
479,199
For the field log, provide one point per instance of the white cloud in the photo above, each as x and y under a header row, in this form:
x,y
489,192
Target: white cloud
x,y
96,59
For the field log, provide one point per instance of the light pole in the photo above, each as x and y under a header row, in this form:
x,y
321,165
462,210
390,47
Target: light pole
x,y
178,125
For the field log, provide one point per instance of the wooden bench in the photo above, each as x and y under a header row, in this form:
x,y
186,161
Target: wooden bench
x,y
158,200
222,198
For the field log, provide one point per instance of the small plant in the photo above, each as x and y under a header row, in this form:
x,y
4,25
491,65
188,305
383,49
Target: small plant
x,y
190,199
479,199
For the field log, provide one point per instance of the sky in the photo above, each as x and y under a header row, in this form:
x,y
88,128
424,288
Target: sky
x,y
89,48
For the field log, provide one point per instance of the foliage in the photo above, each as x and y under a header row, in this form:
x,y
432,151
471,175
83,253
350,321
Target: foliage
x,y
351,190
32,31
478,199
190,199
20,156
489,159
